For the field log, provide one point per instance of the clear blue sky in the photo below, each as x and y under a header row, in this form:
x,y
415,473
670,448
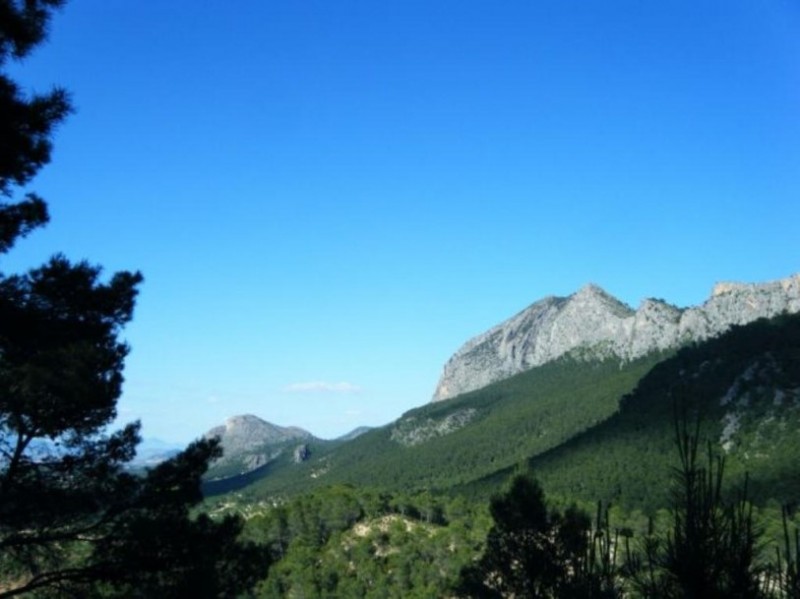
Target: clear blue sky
x,y
328,198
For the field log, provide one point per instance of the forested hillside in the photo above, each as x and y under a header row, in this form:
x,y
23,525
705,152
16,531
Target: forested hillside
x,y
736,397
591,430
449,443
744,387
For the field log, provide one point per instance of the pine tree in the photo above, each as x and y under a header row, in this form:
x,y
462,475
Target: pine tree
x,y
532,552
73,519
711,548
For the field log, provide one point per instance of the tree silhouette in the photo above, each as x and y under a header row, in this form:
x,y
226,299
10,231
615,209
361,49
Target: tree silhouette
x,y
532,552
73,520
710,550
26,123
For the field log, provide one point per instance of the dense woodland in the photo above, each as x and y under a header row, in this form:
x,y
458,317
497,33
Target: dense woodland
x,y
513,420
708,541
670,476
760,362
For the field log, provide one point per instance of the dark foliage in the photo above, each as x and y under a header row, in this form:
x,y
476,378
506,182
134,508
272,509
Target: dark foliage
x,y
26,123
711,549
61,478
785,576
73,520
154,548
533,552
23,25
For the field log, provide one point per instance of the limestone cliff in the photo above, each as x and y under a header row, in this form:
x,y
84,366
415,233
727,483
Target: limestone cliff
x,y
592,324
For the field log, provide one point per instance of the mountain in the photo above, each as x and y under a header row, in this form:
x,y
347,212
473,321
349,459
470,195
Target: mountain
x,y
597,420
590,430
249,443
593,325
356,432
445,444
596,429
742,391
417,498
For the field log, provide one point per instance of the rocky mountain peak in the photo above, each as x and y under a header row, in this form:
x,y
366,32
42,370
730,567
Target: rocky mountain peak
x,y
593,324
244,432
726,287
591,291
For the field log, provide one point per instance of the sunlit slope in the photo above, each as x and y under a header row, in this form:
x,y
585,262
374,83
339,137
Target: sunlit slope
x,y
448,443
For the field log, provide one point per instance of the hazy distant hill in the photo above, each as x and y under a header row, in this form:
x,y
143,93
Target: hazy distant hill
x,y
356,432
591,324
151,452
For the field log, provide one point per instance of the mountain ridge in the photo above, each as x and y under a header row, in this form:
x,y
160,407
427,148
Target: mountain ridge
x,y
593,324
591,430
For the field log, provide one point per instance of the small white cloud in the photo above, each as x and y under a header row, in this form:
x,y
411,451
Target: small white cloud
x,y
322,387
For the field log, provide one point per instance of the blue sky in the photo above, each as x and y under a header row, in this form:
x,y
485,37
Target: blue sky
x,y
328,198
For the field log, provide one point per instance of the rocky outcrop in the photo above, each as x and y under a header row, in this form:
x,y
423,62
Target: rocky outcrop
x,y
301,454
411,430
591,324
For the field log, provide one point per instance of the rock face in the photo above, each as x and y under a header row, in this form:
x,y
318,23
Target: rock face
x,y
591,324
410,430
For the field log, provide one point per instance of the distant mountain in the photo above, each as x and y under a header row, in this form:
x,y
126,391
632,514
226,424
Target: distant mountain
x,y
249,443
356,432
151,452
593,325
